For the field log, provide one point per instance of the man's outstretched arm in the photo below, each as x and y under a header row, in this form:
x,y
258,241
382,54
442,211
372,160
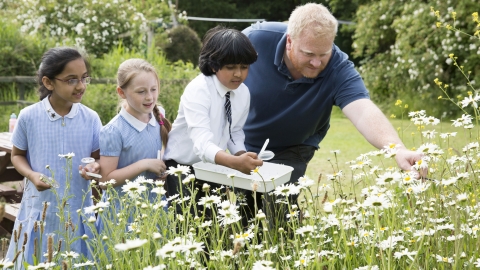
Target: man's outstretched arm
x,y
378,131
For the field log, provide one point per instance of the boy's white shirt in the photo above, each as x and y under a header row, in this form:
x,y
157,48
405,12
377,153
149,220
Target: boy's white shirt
x,y
201,128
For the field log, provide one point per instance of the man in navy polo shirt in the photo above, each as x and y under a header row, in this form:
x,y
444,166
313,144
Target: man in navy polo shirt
x,y
298,77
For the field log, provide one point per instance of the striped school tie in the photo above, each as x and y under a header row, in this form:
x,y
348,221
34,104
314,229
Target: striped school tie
x,y
228,111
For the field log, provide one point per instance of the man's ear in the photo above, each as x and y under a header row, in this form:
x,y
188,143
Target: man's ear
x,y
121,93
48,83
289,43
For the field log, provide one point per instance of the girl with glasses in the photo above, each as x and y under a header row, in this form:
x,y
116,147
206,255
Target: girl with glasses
x,y
57,125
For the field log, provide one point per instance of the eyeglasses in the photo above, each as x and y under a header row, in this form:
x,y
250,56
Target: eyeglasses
x,y
74,82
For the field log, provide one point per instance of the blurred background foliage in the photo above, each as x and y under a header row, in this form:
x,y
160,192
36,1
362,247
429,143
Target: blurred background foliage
x,y
402,52
395,44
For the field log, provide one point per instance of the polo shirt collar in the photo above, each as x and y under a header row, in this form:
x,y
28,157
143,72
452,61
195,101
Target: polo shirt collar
x,y
54,116
135,123
221,89
280,50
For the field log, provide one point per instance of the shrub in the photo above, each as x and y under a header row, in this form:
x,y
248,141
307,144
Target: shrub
x,y
401,55
19,55
96,25
182,44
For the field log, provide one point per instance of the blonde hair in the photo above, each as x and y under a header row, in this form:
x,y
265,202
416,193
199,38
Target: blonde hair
x,y
128,70
314,17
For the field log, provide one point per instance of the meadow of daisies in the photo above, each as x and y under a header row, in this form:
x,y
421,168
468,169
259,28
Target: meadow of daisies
x,y
366,214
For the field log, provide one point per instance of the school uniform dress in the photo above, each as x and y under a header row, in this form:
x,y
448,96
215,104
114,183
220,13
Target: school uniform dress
x,y
130,140
44,134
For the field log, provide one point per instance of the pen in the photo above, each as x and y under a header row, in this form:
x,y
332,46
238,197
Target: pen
x,y
159,156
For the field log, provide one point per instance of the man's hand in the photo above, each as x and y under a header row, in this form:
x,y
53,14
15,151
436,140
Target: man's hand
x,y
406,159
375,127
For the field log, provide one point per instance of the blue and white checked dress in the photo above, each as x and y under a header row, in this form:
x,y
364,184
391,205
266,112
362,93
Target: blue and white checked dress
x,y
44,135
130,140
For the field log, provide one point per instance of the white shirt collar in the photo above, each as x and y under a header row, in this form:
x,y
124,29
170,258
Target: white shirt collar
x,y
134,122
221,89
52,115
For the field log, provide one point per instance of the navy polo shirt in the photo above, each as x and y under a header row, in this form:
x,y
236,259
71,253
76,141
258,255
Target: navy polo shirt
x,y
292,112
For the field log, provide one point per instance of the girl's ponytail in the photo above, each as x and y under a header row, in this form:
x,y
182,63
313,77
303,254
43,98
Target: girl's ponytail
x,y
165,125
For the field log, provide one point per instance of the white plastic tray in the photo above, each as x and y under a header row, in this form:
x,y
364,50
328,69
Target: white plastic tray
x,y
273,175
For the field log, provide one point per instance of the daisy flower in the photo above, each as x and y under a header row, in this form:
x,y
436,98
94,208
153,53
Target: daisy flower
x,y
67,156
70,254
133,188
448,135
405,252
181,169
45,265
189,179
470,100
167,251
87,263
444,259
158,267
228,216
130,244
159,190
305,230
462,121
6,263
192,247
287,190
263,265
431,120
462,197
429,134
368,267
377,201
303,261
208,201
305,181
388,178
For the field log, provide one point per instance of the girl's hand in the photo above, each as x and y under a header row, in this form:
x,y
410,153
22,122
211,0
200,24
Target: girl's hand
x,y
36,179
91,167
154,165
